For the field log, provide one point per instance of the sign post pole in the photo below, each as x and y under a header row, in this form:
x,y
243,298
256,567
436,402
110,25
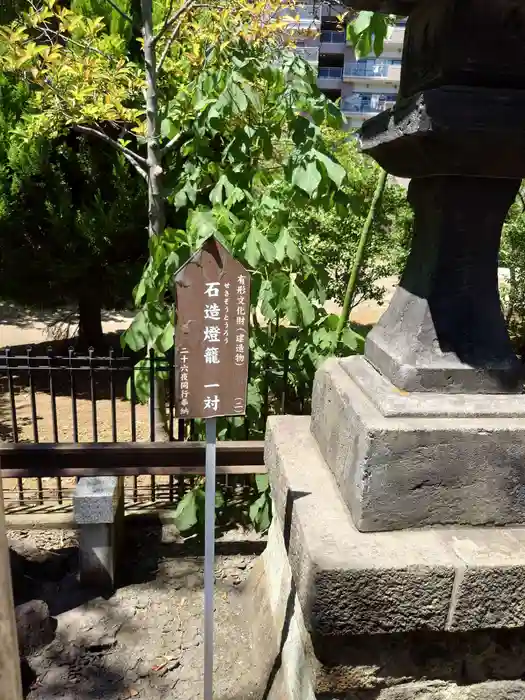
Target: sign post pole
x,y
209,555
212,292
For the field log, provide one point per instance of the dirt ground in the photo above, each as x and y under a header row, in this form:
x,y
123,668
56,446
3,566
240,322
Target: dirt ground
x,y
146,641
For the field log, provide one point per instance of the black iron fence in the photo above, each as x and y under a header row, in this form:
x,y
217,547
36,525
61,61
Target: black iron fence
x,y
63,415
110,381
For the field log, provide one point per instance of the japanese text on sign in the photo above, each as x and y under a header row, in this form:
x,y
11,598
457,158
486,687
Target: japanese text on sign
x,y
212,334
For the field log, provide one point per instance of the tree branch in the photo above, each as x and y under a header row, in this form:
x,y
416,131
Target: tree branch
x,y
46,30
121,12
171,144
138,161
137,167
165,26
177,18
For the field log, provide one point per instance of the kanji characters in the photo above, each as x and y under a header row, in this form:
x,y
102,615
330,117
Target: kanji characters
x,y
211,356
211,403
212,334
212,312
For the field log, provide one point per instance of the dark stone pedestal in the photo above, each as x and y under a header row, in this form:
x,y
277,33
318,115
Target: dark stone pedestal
x,y
444,330
450,130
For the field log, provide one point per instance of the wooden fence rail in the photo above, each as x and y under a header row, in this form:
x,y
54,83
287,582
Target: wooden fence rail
x,y
128,459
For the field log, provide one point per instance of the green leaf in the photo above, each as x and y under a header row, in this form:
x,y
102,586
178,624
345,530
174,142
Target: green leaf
x,y
292,348
221,191
266,247
137,335
363,47
140,289
168,129
265,299
252,253
255,399
202,225
166,339
285,247
185,516
142,382
219,499
290,306
238,98
380,28
258,245
306,308
362,21
335,172
353,341
262,481
260,513
307,178
200,503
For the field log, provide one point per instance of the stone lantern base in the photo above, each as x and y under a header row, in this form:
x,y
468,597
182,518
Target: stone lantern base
x,y
405,460
412,613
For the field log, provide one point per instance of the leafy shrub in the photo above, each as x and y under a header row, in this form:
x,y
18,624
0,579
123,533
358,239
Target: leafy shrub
x,y
330,237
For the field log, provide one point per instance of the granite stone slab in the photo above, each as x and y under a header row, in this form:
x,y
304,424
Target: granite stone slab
x,y
298,665
392,402
397,470
350,582
96,500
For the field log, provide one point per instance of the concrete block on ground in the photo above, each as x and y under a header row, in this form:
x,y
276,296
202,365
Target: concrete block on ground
x,y
413,460
357,583
98,506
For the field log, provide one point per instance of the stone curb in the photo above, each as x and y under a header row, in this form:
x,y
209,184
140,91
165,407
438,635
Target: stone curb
x,y
349,582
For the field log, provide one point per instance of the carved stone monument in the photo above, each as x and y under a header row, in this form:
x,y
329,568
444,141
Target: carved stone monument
x,y
395,568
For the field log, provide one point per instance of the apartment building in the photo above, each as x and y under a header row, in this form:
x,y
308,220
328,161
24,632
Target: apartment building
x,y
364,87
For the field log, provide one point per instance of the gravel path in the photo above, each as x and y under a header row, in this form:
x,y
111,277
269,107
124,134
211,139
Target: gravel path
x,y
145,641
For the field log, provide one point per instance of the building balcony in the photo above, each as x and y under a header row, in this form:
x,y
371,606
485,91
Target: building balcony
x,y
362,109
329,78
332,42
332,9
371,71
303,19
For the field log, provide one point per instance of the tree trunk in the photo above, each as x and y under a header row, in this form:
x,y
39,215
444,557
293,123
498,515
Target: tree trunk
x,y
90,333
156,213
156,208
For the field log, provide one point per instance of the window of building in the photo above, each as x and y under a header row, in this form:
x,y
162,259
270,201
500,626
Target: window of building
x,y
368,102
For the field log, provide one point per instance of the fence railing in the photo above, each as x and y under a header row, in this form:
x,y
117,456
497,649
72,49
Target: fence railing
x,y
370,69
308,53
68,379
334,73
68,415
331,37
366,106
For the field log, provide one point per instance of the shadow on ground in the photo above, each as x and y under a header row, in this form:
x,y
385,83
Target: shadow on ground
x,y
145,641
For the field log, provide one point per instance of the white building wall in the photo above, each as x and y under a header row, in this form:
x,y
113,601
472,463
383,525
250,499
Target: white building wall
x,y
379,91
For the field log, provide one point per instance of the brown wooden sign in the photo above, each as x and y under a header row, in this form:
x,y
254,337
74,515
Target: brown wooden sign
x,y
211,335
